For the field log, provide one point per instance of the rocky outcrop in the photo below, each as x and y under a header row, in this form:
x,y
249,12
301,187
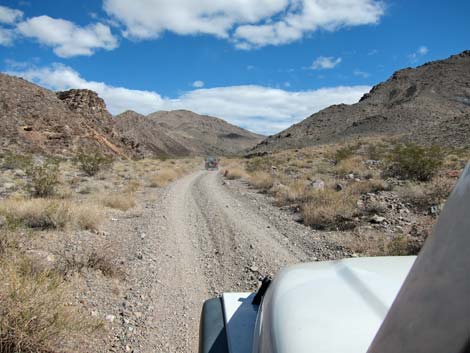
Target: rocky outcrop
x,y
36,120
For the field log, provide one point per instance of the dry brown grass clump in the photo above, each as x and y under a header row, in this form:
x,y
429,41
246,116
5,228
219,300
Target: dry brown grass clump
x,y
377,244
352,165
235,173
368,186
261,180
328,209
99,259
296,191
163,177
119,201
424,195
35,316
50,214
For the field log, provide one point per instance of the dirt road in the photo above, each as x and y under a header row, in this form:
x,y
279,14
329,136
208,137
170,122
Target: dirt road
x,y
200,238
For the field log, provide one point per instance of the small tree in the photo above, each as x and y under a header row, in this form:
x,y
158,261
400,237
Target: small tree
x,y
414,162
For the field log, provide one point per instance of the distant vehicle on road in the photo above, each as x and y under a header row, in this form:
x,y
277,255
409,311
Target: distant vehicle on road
x,y
212,163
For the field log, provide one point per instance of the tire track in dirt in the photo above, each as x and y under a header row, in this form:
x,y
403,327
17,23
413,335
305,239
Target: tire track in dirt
x,y
207,242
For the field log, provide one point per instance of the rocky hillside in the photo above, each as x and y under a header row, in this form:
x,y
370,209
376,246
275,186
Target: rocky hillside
x,y
182,132
36,120
427,104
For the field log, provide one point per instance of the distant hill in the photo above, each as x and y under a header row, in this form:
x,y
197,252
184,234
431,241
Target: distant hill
x,y
428,104
182,132
36,120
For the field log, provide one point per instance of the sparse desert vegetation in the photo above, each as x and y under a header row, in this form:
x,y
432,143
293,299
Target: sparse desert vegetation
x,y
51,241
380,195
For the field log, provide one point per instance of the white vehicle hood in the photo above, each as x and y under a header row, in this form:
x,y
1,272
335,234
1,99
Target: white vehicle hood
x,y
321,307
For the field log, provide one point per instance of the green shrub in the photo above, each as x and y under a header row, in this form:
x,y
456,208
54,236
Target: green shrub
x,y
43,179
376,152
344,153
413,162
91,162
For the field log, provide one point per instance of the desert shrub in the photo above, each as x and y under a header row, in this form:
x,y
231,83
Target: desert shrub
x,y
92,162
376,151
120,201
261,180
344,153
425,195
352,165
12,160
328,209
377,244
367,186
86,216
259,164
95,259
49,214
400,245
296,191
35,315
414,162
163,177
235,173
43,179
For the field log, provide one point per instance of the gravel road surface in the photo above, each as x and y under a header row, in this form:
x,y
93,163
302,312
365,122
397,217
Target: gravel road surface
x,y
201,236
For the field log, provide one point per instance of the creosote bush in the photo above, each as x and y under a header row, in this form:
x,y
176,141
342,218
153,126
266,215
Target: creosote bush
x,y
91,162
414,162
43,179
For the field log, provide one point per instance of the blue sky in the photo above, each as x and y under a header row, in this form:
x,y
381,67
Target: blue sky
x,y
261,64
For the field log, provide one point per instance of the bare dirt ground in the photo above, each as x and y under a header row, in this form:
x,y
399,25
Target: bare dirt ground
x,y
197,238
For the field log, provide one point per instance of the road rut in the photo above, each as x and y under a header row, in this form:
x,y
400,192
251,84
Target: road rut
x,y
203,239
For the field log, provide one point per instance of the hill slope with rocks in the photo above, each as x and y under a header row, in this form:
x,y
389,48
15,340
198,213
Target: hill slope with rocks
x,y
182,132
428,104
36,120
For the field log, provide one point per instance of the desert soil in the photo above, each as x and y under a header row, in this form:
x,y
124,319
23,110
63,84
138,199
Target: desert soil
x,y
192,240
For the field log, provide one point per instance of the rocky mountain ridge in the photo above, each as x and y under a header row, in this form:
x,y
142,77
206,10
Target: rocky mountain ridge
x,y
182,132
429,104
36,120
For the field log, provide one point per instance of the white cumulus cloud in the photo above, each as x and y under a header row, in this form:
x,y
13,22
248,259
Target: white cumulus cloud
x,y
238,105
198,84
66,38
325,62
421,51
9,16
247,23
149,18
